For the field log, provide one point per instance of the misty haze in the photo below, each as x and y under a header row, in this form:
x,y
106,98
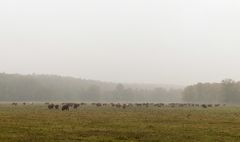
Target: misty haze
x,y
129,70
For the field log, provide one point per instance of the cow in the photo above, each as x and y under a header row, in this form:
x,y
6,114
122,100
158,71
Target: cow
x,y
204,106
65,107
75,106
217,105
50,106
98,104
104,104
209,105
14,104
124,106
112,104
138,105
118,105
56,106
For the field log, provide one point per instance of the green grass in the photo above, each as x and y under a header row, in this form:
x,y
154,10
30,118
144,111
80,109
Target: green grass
x,y
36,123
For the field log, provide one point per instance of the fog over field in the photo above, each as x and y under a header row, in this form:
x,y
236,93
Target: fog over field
x,y
136,41
172,43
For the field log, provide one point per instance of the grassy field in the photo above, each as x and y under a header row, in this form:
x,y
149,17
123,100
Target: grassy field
x,y
89,123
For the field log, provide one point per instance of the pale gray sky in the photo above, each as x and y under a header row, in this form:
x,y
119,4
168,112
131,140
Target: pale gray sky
x,y
147,41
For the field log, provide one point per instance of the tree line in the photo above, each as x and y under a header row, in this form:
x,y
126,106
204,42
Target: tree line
x,y
227,91
15,87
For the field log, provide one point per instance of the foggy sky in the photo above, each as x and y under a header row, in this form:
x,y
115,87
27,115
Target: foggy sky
x,y
148,41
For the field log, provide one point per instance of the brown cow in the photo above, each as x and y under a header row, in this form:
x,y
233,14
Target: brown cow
x,y
51,106
65,107
75,106
98,104
56,106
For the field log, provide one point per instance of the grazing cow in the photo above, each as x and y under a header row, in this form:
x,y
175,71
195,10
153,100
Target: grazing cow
x,y
124,106
204,106
51,106
98,104
112,104
14,104
68,104
104,104
172,105
138,105
118,105
75,106
24,103
65,107
209,105
217,105
56,106
159,105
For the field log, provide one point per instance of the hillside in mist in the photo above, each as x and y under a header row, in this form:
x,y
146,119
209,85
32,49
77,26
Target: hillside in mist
x,y
15,87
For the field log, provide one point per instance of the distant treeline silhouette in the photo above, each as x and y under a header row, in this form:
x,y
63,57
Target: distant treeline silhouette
x,y
15,87
228,91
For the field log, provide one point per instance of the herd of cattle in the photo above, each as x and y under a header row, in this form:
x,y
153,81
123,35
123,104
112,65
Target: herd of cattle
x,y
65,106
68,106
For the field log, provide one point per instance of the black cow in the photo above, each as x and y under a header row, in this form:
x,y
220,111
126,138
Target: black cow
x,y
204,106
65,107
51,106
75,106
56,106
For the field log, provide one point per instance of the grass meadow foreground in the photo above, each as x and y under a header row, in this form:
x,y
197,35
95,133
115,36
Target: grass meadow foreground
x,y
90,123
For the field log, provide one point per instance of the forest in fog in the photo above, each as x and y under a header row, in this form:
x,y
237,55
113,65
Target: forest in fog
x,y
228,91
15,87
